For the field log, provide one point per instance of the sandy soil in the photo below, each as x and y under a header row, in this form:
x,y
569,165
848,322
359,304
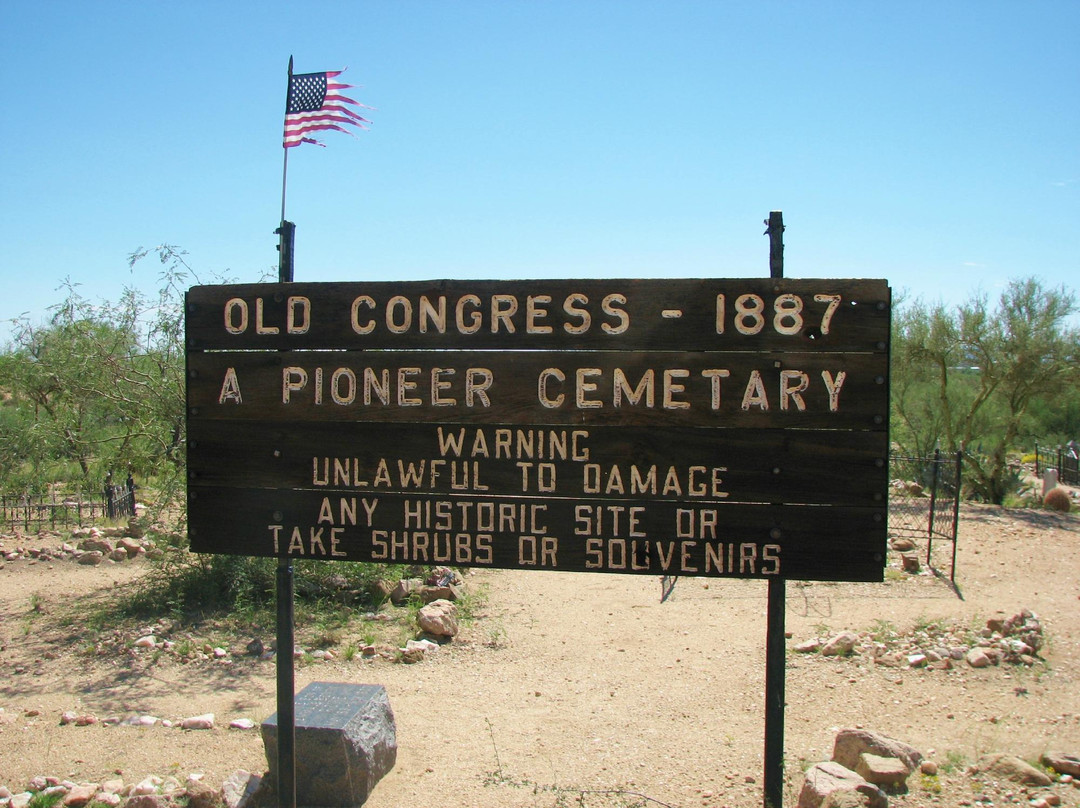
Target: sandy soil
x,y
575,689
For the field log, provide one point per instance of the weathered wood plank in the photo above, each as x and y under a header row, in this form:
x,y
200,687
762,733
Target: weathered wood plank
x,y
668,389
821,315
687,465
619,536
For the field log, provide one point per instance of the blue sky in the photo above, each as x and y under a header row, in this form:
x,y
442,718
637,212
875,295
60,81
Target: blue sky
x,y
933,144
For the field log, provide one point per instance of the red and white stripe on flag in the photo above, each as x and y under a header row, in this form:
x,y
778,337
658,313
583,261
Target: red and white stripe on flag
x,y
315,103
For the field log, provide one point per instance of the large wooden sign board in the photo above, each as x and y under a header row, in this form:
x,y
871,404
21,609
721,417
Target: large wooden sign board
x,y
712,427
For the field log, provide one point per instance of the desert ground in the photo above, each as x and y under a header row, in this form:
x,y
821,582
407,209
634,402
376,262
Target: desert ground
x,y
577,689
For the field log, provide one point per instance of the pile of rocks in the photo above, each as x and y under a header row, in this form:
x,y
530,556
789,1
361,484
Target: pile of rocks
x,y
1016,640
151,792
442,583
205,721
866,767
87,545
437,619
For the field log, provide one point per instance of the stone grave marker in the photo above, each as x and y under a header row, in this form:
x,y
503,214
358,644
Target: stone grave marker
x,y
346,741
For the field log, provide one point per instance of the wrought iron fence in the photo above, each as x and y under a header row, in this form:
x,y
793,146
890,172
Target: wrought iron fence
x,y
1066,459
75,509
35,514
924,500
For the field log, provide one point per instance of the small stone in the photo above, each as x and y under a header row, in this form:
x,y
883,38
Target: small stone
x,y
205,721
142,721
404,589
149,641
978,658
147,786
840,645
80,795
1010,767
882,771
242,723
239,788
147,801
438,618
432,593
850,744
824,780
1062,762
200,795
929,768
96,545
808,646
91,559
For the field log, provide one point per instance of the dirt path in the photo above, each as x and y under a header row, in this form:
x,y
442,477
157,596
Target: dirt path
x,y
569,683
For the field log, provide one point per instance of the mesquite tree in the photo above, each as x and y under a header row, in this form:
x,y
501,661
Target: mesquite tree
x,y
99,385
967,376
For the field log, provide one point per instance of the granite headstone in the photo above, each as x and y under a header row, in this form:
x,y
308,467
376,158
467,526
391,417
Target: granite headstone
x,y
346,741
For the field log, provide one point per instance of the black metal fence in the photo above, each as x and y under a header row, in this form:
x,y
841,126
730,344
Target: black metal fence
x,y
1066,459
924,500
75,509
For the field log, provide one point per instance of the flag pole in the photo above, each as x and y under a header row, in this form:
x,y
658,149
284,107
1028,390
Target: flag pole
x,y
286,675
286,231
285,167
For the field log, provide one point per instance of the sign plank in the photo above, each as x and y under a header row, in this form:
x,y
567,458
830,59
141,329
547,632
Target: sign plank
x,y
823,391
696,465
822,316
623,536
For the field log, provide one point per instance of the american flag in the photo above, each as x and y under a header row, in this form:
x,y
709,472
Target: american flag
x,y
315,102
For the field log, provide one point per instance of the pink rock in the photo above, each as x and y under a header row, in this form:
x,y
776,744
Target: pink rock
x,y
438,618
205,721
80,795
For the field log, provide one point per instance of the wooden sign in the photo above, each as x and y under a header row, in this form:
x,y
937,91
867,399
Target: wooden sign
x,y
727,427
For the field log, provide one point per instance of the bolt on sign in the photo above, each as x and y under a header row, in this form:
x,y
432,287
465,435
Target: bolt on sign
x,y
707,427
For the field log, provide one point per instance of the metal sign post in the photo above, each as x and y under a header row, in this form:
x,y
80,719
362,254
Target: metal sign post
x,y
286,674
774,638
